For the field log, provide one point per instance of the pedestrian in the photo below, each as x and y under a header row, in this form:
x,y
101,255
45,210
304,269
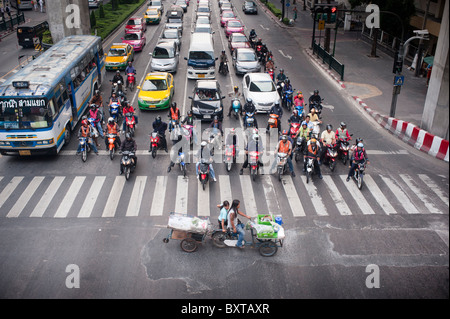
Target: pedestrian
x,y
2,13
8,11
41,3
35,5
295,12
429,67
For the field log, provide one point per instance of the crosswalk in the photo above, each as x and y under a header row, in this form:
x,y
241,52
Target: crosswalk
x,y
143,196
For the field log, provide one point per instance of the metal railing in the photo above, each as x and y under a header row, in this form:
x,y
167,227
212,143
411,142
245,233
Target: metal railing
x,y
16,19
329,59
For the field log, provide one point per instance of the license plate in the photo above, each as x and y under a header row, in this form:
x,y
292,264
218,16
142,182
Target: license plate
x,y
206,116
201,75
26,39
152,106
114,67
25,153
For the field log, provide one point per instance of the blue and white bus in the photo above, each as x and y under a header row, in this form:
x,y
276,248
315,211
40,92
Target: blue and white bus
x,y
41,104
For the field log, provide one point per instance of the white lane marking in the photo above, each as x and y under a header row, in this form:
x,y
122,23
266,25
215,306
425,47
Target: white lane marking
x,y
336,196
91,197
315,197
400,195
25,197
68,200
433,186
424,198
182,195
357,195
249,200
158,196
114,197
379,196
46,199
137,195
203,207
292,196
9,189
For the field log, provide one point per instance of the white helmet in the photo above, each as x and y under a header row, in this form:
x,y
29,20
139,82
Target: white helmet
x,y
110,120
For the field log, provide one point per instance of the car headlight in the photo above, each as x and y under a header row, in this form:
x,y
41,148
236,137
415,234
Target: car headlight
x,y
140,100
165,99
195,109
219,109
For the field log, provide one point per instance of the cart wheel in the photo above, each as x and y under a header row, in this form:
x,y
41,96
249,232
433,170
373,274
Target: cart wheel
x,y
166,240
218,239
268,249
189,245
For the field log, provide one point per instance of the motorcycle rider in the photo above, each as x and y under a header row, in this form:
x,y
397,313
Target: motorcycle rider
x,y
299,101
263,53
269,65
174,114
278,110
128,145
358,156
313,116
223,58
129,69
295,118
96,115
98,100
112,128
85,131
249,107
303,132
117,77
253,145
189,119
252,35
327,137
314,99
342,133
281,77
205,152
285,146
312,150
128,108
160,127
235,94
216,124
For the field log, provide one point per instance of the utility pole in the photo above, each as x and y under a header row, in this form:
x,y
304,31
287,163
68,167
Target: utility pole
x,y
326,44
420,48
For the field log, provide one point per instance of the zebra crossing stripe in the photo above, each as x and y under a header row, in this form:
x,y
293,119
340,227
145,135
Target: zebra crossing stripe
x,y
292,196
203,207
317,201
91,197
249,198
134,206
378,195
68,200
158,196
400,195
46,199
270,195
432,185
114,197
225,189
25,197
424,198
182,195
336,196
9,189
357,196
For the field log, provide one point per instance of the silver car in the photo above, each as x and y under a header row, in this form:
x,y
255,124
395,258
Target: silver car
x,y
171,35
245,61
165,57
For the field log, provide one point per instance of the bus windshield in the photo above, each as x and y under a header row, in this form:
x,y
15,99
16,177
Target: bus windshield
x,y
24,113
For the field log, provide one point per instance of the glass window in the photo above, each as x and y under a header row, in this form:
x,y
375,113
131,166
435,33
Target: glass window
x,y
154,85
262,86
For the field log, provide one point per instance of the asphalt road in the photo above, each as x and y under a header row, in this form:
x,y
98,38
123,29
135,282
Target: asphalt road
x,y
398,221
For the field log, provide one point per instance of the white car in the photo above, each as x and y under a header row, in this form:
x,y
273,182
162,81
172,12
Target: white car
x,y
261,89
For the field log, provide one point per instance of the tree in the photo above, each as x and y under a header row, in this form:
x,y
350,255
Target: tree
x,y
101,12
93,21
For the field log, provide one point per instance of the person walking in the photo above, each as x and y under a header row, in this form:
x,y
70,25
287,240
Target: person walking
x,y
295,12
41,3
35,5
2,13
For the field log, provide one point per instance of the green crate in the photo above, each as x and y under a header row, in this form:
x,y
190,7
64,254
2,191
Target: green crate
x,y
261,216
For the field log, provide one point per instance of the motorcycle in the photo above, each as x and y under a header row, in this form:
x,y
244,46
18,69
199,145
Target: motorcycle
x,y
130,123
317,106
309,168
330,156
253,161
230,156
114,111
181,162
253,42
300,109
299,148
131,80
236,105
85,148
293,130
249,120
359,174
316,129
111,144
344,149
281,164
287,99
273,121
280,86
155,143
94,131
127,163
271,73
203,172
224,68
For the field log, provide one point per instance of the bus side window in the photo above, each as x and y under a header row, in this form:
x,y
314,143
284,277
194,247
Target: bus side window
x,y
51,106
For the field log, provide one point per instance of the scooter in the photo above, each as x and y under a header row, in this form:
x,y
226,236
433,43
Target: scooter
x,y
230,156
94,131
130,123
273,121
359,174
253,161
111,145
236,105
114,111
344,148
318,107
203,172
280,86
330,156
293,129
271,73
181,162
155,143
224,68
309,168
249,120
85,148
299,148
131,80
127,163
287,99
281,164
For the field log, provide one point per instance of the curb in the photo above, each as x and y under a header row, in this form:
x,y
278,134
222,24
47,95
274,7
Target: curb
x,y
325,68
411,134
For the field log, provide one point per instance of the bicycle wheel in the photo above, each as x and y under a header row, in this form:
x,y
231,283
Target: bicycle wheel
x,y
268,249
189,245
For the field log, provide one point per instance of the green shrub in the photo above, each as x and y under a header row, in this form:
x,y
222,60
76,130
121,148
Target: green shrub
x,y
92,19
272,8
101,12
47,37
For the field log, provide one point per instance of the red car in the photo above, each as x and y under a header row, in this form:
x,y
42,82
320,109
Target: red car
x,y
225,16
136,39
238,40
136,24
233,26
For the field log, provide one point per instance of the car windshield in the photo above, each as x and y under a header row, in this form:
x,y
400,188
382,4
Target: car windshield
x,y
132,36
202,20
206,94
152,12
201,55
203,9
155,3
262,86
246,56
154,85
117,52
238,38
249,4
228,14
202,29
32,114
170,34
234,24
175,20
134,22
163,53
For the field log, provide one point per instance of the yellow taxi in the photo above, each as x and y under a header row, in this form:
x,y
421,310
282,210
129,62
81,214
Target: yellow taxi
x,y
152,16
156,92
118,56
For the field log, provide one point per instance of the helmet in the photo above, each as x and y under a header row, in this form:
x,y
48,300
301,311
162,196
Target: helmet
x,y
358,140
255,137
128,136
118,72
360,144
281,70
223,51
189,112
316,91
329,127
216,118
270,58
84,122
343,124
295,112
313,109
203,144
249,100
158,119
236,88
284,137
232,131
288,81
97,92
285,132
93,106
304,123
174,104
277,102
110,120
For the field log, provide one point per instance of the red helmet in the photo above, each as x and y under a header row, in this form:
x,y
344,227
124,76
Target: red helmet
x,y
84,122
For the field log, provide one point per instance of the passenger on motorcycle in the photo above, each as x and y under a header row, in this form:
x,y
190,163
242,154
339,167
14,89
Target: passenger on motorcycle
x,y
284,145
249,107
205,152
235,225
222,59
112,128
98,100
128,108
358,156
223,221
128,145
269,64
85,131
313,117
174,114
327,138
253,145
160,127
287,85
312,150
278,110
235,94
96,114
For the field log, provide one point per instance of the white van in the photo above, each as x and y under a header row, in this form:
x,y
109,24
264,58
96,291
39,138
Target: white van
x,y
201,59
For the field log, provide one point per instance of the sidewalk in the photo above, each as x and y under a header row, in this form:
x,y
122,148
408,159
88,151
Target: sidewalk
x,y
370,81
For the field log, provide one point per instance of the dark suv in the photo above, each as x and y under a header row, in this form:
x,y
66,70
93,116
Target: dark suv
x,y
249,7
207,101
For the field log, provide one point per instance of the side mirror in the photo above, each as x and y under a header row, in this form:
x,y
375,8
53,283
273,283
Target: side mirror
x,y
138,87
190,97
216,59
223,97
122,38
185,58
150,53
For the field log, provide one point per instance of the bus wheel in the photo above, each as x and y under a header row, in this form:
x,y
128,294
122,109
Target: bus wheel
x,y
67,135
